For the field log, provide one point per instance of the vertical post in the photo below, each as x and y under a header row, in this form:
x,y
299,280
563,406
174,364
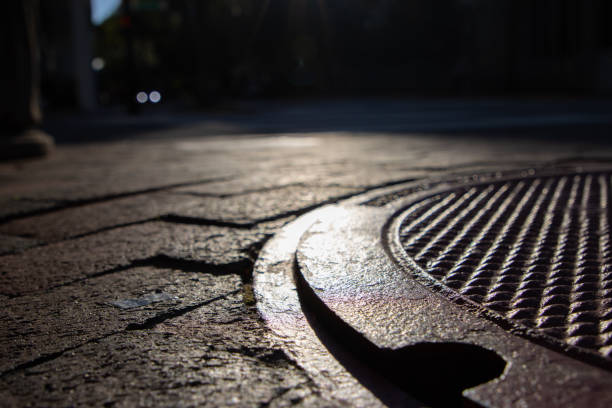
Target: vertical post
x,y
82,39
128,35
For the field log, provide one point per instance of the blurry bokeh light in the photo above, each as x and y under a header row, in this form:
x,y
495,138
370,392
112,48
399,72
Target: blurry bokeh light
x,y
142,97
155,97
98,64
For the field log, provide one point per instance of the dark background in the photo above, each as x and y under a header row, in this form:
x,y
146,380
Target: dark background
x,y
202,54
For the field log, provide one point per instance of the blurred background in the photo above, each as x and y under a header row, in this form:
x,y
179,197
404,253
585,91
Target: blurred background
x,y
198,53
89,59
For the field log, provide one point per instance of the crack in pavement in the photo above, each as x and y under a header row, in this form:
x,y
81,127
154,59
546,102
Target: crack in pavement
x,y
63,205
240,193
165,218
182,219
53,356
162,261
242,267
284,390
188,220
172,313
146,325
191,220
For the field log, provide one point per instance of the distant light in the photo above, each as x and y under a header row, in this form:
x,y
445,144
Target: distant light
x,y
98,64
142,97
155,96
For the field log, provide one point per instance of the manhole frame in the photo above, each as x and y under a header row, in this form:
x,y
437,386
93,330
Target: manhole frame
x,y
274,272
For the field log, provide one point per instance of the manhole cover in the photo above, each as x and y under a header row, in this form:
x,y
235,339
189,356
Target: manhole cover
x,y
536,251
489,289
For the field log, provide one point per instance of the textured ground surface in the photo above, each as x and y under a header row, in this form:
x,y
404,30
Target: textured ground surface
x,y
125,265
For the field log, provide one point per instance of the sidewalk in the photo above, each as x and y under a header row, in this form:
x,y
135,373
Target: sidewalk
x,y
125,266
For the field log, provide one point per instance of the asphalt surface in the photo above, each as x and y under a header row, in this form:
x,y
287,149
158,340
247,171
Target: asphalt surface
x,y
127,256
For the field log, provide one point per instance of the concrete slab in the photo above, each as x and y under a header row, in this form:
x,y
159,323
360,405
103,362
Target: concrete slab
x,y
42,325
10,244
39,269
216,355
257,207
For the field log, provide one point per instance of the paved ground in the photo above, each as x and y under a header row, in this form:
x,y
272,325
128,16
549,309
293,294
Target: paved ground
x,y
126,258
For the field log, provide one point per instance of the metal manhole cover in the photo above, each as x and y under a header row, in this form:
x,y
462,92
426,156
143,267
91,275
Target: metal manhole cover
x,y
480,289
537,251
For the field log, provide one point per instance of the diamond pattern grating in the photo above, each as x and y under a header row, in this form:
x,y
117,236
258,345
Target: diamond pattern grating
x,y
537,251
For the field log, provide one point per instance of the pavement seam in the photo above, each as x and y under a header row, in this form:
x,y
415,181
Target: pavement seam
x,y
162,261
63,205
172,313
146,325
242,267
182,219
240,193
166,218
187,220
53,356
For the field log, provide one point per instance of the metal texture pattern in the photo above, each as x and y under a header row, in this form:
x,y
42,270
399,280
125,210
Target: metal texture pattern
x,y
534,250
